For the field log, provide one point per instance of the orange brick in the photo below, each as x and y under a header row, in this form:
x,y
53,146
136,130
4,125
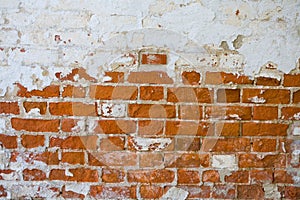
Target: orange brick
x,y
8,142
72,109
151,159
186,94
264,145
290,113
74,142
211,176
188,177
116,77
238,177
50,158
153,77
261,176
70,194
256,161
290,192
217,78
113,92
187,144
174,128
151,111
196,192
150,127
250,192
191,78
32,141
296,97
35,125
78,175
151,176
47,92
228,112
72,157
231,145
113,192
151,191
266,96
264,129
114,158
69,125
73,91
9,108
42,106
154,93
228,95
186,160
291,80
113,175
190,112
33,175
267,81
283,176
265,112
115,126
227,129
113,143
154,59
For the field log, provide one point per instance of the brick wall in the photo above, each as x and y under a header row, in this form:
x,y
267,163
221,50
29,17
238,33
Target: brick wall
x,y
143,134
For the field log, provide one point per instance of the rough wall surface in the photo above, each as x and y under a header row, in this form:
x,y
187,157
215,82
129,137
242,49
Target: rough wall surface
x,y
150,99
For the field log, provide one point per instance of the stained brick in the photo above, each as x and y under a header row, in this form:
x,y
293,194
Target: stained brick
x,y
151,176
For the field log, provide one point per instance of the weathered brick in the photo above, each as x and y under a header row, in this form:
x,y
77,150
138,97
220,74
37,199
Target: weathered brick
x,y
33,175
75,75
217,78
264,145
154,59
238,177
265,112
191,78
190,112
72,125
228,95
174,128
77,174
151,111
224,192
8,141
32,141
291,80
115,126
258,161
150,127
250,192
266,81
187,144
227,129
283,176
41,106
111,93
153,77
151,191
231,145
151,159
72,109
186,160
9,108
113,175
47,92
228,112
115,158
261,176
197,192
151,176
154,93
72,157
112,143
73,91
116,77
74,142
188,177
266,96
71,194
35,125
264,129
211,176
113,192
296,97
186,94
290,113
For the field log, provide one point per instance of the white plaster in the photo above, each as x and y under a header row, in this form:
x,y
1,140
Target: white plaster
x,y
113,110
68,173
234,116
34,112
175,193
296,131
271,191
224,162
78,188
80,126
146,144
2,125
257,99
106,78
297,116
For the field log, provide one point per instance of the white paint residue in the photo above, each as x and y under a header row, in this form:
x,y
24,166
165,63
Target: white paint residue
x,y
68,173
106,78
2,124
42,190
297,116
175,194
234,116
78,188
256,99
296,131
146,144
80,125
92,124
271,191
113,110
283,147
34,112
224,162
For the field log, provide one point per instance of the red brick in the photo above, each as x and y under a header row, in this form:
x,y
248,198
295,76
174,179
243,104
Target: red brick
x,y
33,175
151,111
113,92
153,77
250,192
3,192
228,95
231,145
186,94
228,112
151,159
78,174
261,176
265,112
217,78
264,145
35,125
196,192
115,158
32,141
264,129
187,144
154,93
186,160
227,129
188,177
151,191
73,109
113,192
69,125
74,142
154,59
283,176
291,80
190,112
291,192
267,81
9,108
8,141
113,175
71,194
258,161
116,77
47,92
50,158
151,176
112,143
296,97
191,78
115,126
72,158
290,113
211,176
224,192
174,128
73,91
42,106
75,75
238,177
267,96
150,127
